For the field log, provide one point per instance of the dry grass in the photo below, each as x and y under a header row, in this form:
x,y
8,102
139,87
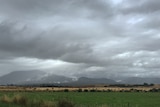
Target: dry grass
x,y
99,88
6,99
20,99
23,101
47,104
65,103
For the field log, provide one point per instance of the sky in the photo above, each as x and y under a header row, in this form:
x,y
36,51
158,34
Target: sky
x,y
92,38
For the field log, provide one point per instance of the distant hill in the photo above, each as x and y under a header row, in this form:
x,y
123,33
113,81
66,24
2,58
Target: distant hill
x,y
32,77
40,77
17,77
92,81
139,80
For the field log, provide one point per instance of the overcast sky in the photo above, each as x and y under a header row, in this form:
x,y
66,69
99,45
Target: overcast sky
x,y
95,38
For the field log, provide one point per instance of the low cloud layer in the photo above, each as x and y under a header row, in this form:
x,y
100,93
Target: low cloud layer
x,y
95,38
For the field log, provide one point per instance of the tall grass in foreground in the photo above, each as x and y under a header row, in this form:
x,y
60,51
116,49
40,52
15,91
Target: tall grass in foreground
x,y
20,99
65,103
25,102
5,99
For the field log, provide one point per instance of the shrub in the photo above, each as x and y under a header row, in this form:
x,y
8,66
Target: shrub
x,y
5,99
19,99
34,103
92,90
85,90
65,103
41,103
80,90
109,90
66,90
46,104
154,90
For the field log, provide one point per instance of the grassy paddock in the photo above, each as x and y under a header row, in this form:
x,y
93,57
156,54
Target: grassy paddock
x,y
81,99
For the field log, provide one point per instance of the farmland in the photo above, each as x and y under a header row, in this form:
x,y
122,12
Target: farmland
x,y
115,88
89,99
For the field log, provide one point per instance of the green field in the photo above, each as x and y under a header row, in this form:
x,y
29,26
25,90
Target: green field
x,y
92,99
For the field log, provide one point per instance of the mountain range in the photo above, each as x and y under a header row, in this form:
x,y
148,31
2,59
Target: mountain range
x,y
40,77
140,80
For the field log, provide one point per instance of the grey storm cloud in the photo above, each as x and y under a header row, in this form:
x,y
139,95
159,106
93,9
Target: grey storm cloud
x,y
69,8
141,6
100,38
40,45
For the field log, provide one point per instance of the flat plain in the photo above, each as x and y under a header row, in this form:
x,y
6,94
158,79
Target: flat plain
x,y
90,99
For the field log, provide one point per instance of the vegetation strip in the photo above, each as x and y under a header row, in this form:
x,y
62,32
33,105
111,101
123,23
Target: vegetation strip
x,y
79,99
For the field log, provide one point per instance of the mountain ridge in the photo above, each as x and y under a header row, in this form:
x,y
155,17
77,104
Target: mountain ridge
x,y
40,77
